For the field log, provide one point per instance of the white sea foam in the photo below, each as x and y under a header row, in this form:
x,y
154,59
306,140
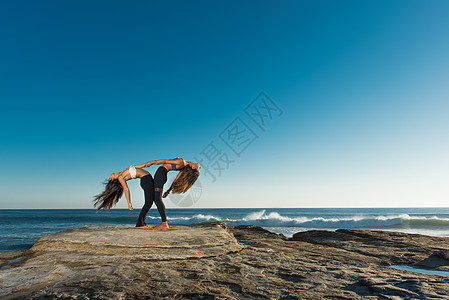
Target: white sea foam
x,y
274,219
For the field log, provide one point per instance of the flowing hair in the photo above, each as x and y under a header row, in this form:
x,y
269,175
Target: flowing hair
x,y
185,180
112,193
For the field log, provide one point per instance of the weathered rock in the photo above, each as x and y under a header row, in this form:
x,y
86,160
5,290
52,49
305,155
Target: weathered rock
x,y
180,242
445,254
388,247
54,256
7,258
205,261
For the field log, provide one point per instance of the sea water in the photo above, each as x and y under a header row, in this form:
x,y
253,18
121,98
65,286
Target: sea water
x,y
20,229
420,270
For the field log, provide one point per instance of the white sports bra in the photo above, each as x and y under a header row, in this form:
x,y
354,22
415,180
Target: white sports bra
x,y
132,172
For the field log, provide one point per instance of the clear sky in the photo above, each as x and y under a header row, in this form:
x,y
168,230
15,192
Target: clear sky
x,y
89,87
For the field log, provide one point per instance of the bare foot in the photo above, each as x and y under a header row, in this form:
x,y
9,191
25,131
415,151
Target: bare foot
x,y
163,225
144,227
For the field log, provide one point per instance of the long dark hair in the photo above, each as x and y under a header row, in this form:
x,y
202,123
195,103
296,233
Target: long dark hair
x,y
112,193
186,180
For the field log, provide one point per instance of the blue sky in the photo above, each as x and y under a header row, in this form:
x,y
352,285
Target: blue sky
x,y
88,88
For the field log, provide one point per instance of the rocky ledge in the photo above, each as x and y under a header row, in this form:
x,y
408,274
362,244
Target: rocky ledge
x,y
214,261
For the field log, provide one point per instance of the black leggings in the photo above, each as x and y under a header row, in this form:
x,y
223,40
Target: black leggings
x,y
153,193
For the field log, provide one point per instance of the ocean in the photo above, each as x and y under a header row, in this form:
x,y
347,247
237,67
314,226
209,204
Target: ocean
x,y
20,229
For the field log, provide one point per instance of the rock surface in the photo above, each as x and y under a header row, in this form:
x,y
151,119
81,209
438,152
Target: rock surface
x,y
182,242
205,261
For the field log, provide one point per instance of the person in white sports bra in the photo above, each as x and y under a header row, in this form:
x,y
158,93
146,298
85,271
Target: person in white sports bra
x,y
116,185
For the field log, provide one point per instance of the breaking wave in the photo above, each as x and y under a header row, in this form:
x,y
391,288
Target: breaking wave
x,y
274,219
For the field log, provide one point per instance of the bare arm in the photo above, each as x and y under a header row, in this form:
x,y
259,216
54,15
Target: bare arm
x,y
176,161
169,190
146,165
126,190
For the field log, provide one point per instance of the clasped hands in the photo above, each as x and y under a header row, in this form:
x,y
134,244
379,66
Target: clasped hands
x,y
148,164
